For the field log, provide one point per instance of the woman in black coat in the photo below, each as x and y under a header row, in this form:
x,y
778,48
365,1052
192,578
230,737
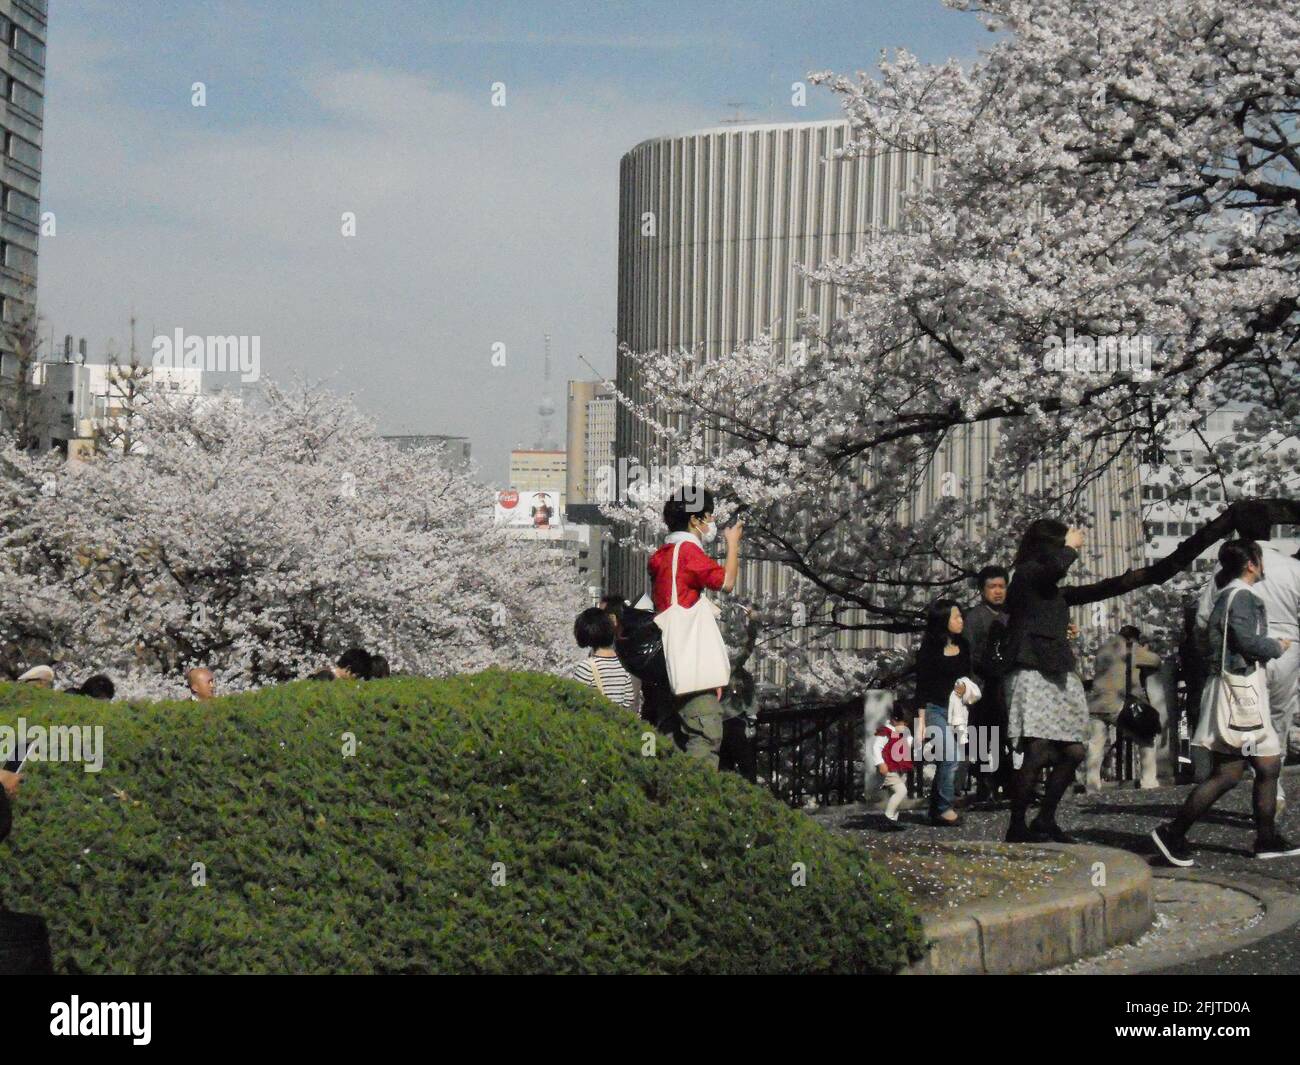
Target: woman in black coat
x,y
1047,711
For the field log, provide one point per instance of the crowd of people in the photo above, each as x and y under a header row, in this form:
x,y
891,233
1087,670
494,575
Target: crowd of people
x,y
1003,670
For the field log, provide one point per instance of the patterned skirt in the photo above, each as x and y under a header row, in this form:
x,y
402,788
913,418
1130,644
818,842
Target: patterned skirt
x,y
1046,707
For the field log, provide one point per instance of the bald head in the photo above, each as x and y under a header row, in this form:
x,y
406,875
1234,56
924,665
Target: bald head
x,y
201,682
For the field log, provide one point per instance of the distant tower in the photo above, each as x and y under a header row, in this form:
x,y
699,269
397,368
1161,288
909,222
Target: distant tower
x,y
546,408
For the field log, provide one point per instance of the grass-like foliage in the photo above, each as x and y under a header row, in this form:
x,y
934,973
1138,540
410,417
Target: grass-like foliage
x,y
610,860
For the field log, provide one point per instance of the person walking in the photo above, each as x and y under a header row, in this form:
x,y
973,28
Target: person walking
x,y
1280,594
942,670
1236,725
694,719
891,756
1047,712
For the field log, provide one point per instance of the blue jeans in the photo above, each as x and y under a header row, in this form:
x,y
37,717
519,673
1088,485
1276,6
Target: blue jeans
x,y
940,741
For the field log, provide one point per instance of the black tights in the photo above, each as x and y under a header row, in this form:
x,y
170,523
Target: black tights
x,y
1227,772
1064,758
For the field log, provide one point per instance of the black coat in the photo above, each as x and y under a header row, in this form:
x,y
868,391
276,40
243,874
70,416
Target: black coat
x,y
1038,612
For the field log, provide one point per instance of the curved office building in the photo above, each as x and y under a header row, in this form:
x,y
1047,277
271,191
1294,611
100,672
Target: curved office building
x,y
712,225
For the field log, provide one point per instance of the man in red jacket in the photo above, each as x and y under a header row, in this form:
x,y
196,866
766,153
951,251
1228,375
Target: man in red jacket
x,y
694,719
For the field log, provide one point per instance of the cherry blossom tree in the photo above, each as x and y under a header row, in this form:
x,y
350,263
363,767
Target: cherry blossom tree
x,y
1108,250
262,539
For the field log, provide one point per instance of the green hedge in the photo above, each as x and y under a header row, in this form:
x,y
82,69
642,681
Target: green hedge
x,y
384,862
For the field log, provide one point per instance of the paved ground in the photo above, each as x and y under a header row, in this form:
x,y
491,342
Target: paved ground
x,y
1124,818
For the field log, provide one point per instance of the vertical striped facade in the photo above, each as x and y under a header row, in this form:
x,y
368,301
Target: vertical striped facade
x,y
711,227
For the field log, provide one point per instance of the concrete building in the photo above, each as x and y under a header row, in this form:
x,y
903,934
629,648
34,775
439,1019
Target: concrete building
x,y
75,400
1172,513
539,471
22,86
456,448
711,227
589,438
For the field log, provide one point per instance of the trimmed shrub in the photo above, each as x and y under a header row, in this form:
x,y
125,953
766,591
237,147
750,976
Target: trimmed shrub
x,y
488,823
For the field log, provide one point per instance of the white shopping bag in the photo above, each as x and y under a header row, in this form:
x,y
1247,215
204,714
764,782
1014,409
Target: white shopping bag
x,y
694,652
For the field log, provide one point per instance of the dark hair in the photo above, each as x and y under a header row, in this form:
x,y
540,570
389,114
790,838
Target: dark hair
x,y
614,604
1251,519
322,674
379,667
897,712
1042,536
1233,557
1131,632
687,503
96,687
594,628
987,574
356,660
937,616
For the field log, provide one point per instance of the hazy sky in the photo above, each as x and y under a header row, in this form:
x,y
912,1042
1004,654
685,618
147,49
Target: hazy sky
x,y
475,224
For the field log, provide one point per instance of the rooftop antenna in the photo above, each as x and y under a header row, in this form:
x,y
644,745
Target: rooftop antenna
x,y
603,378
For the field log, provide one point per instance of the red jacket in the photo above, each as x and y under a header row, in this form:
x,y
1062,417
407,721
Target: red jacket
x,y
695,572
898,749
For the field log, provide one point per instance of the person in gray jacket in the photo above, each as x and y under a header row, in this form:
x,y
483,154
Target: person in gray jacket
x,y
1243,734
1280,594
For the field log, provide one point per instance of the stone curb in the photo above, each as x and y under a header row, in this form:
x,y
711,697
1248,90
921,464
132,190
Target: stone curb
x,y
1072,919
1281,910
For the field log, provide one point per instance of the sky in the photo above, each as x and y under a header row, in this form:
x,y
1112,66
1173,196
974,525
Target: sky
x,y
475,225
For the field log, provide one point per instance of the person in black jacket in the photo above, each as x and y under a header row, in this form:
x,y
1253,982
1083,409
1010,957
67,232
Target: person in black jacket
x,y
942,668
1047,711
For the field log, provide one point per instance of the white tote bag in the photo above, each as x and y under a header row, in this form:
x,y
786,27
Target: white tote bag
x,y
694,652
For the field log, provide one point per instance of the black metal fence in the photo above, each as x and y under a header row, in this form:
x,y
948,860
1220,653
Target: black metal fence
x,y
813,752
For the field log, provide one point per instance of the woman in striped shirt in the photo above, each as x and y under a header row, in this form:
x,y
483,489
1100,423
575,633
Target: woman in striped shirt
x,y
594,629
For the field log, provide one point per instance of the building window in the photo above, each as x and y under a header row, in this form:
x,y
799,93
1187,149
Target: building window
x,y
27,45
22,151
21,96
23,206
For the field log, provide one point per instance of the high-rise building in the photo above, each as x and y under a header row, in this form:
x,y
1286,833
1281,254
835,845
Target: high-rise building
x,y
589,436
712,225
1171,513
22,82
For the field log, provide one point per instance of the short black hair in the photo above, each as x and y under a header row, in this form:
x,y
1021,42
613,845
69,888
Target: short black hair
x,y
685,504
1252,520
356,660
1131,632
989,573
322,674
97,687
594,628
379,667
897,712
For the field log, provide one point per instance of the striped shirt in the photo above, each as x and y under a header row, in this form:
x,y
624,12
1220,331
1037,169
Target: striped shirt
x,y
613,678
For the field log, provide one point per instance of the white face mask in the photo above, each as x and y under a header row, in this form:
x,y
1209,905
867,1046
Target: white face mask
x,y
710,532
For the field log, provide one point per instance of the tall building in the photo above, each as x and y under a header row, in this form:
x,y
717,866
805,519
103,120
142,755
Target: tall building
x,y
22,81
589,436
1171,513
711,227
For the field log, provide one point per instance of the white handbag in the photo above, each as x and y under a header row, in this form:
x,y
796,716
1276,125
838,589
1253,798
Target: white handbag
x,y
694,652
1238,706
